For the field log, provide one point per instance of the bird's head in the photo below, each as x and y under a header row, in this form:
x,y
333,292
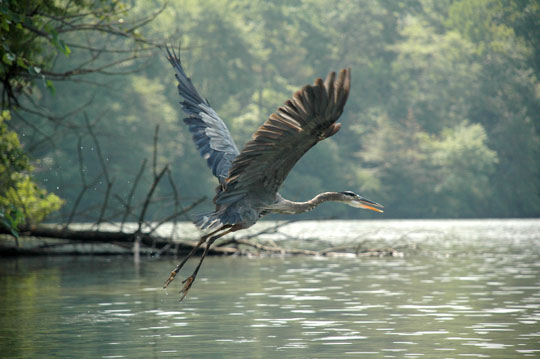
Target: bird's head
x,y
355,200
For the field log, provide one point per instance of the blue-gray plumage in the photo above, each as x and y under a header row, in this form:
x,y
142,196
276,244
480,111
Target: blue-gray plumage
x,y
209,132
249,180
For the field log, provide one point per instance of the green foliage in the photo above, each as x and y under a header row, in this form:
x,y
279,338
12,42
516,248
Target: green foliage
x,y
21,200
438,74
394,155
32,35
461,164
12,157
45,44
26,197
443,118
445,175
21,54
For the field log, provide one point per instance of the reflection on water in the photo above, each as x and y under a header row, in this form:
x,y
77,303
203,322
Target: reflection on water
x,y
468,289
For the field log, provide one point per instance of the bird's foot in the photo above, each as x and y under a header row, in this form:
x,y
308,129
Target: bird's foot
x,y
170,279
187,285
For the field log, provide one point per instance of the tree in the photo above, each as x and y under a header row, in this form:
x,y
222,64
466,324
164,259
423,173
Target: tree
x,y
46,43
444,175
21,201
460,166
507,101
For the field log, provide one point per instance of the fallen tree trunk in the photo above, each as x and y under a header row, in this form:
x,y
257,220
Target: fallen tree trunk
x,y
160,244
153,244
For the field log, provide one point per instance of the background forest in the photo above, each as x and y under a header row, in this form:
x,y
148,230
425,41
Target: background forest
x,y
443,118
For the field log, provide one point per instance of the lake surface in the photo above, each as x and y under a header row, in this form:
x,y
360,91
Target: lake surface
x,y
462,289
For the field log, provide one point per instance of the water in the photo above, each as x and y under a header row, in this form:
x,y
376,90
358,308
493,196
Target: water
x,y
463,289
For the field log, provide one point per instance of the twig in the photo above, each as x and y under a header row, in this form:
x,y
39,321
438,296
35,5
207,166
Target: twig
x,y
275,249
105,171
85,185
176,203
176,214
149,196
274,229
155,150
131,193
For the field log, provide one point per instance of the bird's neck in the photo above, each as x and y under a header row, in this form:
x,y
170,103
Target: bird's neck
x,y
285,206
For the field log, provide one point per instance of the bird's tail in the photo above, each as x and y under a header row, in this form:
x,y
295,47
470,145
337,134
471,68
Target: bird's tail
x,y
209,220
228,216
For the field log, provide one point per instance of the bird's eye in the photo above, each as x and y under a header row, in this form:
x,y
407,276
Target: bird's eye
x,y
349,193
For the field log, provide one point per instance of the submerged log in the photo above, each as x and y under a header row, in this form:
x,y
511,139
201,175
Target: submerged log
x,y
157,243
153,244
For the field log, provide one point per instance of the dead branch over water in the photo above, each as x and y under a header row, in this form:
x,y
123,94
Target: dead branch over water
x,y
156,245
145,234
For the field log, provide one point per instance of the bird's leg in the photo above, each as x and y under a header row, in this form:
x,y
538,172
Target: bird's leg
x,y
189,280
175,271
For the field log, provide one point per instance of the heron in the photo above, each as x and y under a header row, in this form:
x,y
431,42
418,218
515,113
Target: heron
x,y
249,180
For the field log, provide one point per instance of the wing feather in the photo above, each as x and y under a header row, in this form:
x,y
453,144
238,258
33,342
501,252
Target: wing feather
x,y
209,132
307,118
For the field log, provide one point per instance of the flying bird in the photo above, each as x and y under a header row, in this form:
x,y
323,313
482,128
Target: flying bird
x,y
249,179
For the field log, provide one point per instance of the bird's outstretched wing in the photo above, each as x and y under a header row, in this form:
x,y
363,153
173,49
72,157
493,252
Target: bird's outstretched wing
x,y
307,118
210,134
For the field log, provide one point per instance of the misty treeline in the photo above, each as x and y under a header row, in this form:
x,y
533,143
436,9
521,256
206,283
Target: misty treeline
x,y
442,121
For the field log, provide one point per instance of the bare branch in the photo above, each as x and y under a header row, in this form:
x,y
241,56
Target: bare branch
x,y
84,71
176,203
149,196
83,180
57,119
104,167
274,229
177,214
131,193
274,249
107,50
155,150
46,137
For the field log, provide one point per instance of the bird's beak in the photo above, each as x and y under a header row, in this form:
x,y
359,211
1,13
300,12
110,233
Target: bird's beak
x,y
362,202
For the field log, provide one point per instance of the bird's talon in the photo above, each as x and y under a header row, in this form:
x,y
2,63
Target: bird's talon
x,y
187,285
169,280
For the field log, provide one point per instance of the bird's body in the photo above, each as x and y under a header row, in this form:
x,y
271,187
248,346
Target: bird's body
x,y
249,179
